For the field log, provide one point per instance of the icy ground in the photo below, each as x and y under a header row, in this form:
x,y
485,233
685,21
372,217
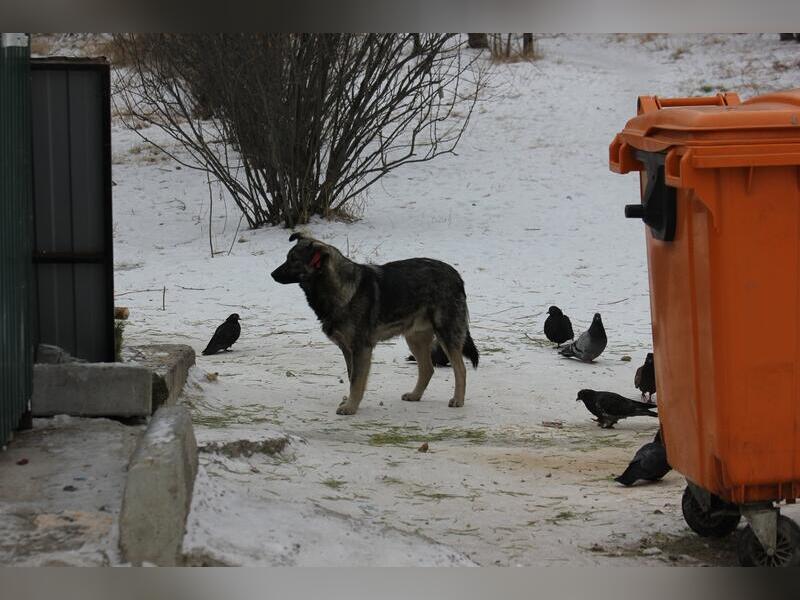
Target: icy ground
x,y
531,216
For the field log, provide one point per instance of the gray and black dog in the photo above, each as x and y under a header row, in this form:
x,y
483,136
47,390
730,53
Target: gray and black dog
x,y
360,305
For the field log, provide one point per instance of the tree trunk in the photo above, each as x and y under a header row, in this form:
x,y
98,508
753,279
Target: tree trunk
x,y
477,40
527,44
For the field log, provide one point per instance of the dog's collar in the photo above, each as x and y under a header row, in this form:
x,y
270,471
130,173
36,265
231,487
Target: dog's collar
x,y
316,260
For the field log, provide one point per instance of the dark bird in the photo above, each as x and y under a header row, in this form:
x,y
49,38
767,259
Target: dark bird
x,y
438,356
557,326
609,407
645,378
225,335
590,344
649,463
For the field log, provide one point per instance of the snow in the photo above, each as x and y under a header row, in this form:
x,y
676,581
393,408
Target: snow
x,y
530,215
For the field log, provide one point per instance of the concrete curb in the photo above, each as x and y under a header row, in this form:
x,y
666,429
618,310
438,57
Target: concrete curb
x,y
158,491
170,364
91,390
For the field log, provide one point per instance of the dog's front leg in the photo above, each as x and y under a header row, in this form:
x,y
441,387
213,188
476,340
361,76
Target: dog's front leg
x,y
359,370
348,359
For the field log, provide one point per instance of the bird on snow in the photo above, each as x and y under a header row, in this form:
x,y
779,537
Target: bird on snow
x,y
438,356
649,463
609,407
225,335
557,326
645,378
590,344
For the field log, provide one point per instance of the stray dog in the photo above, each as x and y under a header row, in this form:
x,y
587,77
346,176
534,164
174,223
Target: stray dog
x,y
361,305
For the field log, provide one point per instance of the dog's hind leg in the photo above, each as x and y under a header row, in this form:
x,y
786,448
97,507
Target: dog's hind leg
x,y
453,345
420,344
359,371
451,331
460,374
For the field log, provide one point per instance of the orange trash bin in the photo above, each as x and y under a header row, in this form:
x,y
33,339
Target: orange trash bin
x,y
720,195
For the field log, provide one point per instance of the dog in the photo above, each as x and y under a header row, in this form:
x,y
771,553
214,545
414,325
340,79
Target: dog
x,y
360,305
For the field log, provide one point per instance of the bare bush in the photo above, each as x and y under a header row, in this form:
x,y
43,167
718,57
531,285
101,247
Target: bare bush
x,y
295,125
512,47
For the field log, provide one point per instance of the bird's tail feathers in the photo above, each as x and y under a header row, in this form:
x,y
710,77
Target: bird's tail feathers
x,y
568,350
627,478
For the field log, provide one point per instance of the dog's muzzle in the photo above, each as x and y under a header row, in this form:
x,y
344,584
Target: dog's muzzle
x,y
283,275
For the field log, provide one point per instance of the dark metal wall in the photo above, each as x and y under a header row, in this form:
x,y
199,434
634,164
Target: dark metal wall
x,y
72,202
16,350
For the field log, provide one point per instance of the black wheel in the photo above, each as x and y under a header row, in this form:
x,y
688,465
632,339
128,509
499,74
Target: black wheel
x,y
721,519
787,547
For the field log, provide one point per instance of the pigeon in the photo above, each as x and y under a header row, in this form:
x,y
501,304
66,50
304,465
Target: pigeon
x,y
557,326
590,344
649,463
438,356
645,378
609,407
225,336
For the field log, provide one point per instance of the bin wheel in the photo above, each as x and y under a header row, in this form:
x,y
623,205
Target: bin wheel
x,y
787,547
721,520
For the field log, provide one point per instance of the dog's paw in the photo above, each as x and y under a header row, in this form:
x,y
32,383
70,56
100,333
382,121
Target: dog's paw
x,y
409,397
346,409
455,403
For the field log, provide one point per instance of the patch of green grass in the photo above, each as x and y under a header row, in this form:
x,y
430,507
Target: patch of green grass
x,y
334,483
538,341
389,479
492,350
403,436
219,417
564,515
465,531
511,493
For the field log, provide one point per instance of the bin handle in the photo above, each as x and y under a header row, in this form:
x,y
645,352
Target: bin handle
x,y
649,104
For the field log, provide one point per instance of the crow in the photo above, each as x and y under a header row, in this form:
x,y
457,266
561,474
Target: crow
x,y
609,407
590,344
225,335
438,356
649,463
645,378
557,326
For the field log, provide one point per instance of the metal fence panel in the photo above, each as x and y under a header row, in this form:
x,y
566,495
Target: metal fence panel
x,y
16,350
72,202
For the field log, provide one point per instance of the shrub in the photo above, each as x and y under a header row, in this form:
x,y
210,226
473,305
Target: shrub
x,y
295,125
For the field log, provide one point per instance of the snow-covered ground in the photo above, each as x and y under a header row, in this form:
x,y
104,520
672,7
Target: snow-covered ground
x,y
531,216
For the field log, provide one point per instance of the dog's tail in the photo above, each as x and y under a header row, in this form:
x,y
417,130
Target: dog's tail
x,y
470,351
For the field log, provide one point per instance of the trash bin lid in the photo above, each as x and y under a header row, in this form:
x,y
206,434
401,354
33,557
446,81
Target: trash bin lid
x,y
713,121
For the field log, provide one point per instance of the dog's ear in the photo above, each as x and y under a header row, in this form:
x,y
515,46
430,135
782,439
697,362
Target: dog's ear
x,y
297,235
319,255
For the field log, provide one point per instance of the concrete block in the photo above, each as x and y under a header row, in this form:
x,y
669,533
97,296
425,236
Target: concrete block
x,y
52,355
158,491
170,364
91,390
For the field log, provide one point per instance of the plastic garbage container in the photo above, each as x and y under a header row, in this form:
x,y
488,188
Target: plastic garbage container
x,y
720,198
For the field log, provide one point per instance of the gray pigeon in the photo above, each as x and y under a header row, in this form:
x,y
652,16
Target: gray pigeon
x,y
225,335
609,407
649,463
590,344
